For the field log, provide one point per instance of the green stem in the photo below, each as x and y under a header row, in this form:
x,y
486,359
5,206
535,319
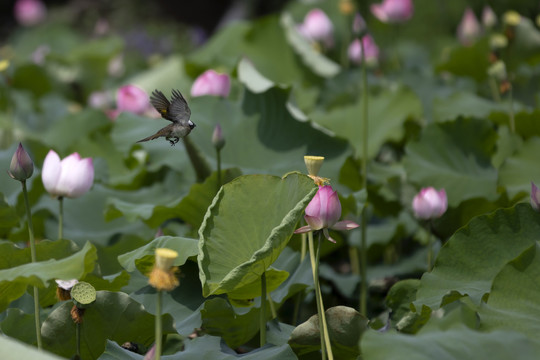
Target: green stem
x,y
494,89
262,318
430,248
78,339
218,169
272,306
33,256
319,294
61,218
199,163
363,248
158,326
512,121
300,295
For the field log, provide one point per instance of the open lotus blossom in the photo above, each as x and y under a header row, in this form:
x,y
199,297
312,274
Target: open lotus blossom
x,y
30,12
430,203
211,83
371,49
21,167
71,177
393,11
317,27
132,99
323,213
469,28
66,284
535,197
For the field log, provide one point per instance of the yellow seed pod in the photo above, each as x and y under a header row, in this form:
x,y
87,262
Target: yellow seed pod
x,y
313,164
346,7
511,18
165,258
498,41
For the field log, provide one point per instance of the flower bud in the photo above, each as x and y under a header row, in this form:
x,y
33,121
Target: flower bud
x,y
489,19
211,83
430,203
371,49
217,137
318,27
30,12
71,177
535,197
469,28
393,11
132,99
359,25
21,167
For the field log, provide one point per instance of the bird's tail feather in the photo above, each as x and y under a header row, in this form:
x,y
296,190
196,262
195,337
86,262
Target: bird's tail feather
x,y
151,137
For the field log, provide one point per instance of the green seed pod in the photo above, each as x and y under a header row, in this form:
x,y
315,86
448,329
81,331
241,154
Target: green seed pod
x,y
83,295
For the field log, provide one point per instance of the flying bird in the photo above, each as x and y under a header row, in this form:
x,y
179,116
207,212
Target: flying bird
x,y
177,111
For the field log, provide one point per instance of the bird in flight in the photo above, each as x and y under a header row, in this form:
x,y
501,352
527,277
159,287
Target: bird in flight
x,y
177,111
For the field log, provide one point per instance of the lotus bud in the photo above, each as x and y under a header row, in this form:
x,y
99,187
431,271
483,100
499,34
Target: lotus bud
x,y
430,203
71,177
535,197
359,27
21,167
132,99
30,12
489,19
217,138
469,28
211,83
371,49
317,26
393,11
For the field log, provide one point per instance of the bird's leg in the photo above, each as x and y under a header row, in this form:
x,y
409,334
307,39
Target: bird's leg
x,y
171,140
177,139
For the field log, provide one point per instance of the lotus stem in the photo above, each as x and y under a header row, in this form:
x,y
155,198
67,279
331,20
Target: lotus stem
x,y
78,339
262,315
158,325
218,155
299,296
61,218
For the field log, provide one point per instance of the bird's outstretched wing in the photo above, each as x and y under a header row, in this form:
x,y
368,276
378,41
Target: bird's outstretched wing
x,y
179,109
162,105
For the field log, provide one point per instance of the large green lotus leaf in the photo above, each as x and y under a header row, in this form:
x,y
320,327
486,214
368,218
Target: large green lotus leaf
x,y
345,327
464,104
61,135
514,296
204,347
518,170
316,61
301,276
32,78
262,124
11,255
114,316
469,61
108,254
17,278
459,342
84,220
274,278
183,303
248,224
220,318
143,258
455,156
15,350
470,260
19,325
165,75
387,113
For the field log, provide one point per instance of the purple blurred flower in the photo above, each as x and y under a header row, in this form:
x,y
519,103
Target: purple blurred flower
x,y
71,177
393,11
30,12
211,83
430,203
132,99
21,167
535,197
469,28
359,24
317,27
323,212
371,49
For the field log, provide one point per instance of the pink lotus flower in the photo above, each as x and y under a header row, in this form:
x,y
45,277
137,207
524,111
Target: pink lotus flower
x,y
430,203
30,12
469,28
317,27
71,177
393,11
132,99
21,167
323,212
66,284
371,49
211,83
535,197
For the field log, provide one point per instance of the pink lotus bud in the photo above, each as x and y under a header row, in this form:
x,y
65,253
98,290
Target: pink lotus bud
x,y
430,203
393,11
359,24
21,167
489,19
469,28
132,99
535,197
217,138
30,12
371,49
323,212
317,27
99,100
71,177
211,83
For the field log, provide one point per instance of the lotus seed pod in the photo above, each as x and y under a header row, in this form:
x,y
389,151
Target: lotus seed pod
x,y
511,18
165,258
313,164
83,294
